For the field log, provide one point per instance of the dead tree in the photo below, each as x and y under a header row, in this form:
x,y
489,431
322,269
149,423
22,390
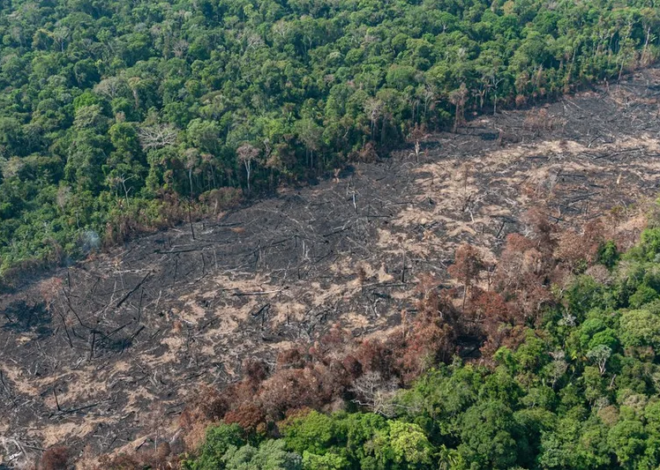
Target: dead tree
x,y
416,135
156,137
467,267
376,393
247,154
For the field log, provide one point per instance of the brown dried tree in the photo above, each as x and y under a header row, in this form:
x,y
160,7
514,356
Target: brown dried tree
x,y
467,267
55,458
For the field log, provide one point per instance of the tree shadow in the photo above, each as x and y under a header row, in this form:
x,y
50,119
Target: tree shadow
x,y
489,136
21,317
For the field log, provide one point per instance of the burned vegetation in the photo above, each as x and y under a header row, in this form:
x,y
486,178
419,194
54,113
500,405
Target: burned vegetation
x,y
358,275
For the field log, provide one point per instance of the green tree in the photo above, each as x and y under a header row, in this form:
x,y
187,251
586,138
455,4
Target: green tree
x,y
219,440
490,437
270,455
640,328
314,433
403,445
327,461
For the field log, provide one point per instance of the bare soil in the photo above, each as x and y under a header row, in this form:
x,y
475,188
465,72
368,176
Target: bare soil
x,y
105,354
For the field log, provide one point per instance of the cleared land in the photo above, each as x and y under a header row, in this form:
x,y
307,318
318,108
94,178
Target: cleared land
x,y
108,351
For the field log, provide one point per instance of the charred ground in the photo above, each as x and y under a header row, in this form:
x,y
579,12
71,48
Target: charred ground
x,y
105,352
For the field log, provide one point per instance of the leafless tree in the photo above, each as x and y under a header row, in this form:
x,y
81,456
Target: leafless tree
x,y
493,82
376,393
192,159
133,84
247,154
156,137
180,48
429,98
120,180
558,366
63,196
599,355
111,87
374,109
61,35
417,134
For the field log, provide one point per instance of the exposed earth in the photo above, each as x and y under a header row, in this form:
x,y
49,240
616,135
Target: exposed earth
x,y
105,354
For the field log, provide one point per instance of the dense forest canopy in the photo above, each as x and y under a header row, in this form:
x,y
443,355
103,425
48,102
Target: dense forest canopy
x,y
123,116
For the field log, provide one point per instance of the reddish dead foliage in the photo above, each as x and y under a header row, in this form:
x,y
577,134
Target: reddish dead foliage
x,y
325,373
55,458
